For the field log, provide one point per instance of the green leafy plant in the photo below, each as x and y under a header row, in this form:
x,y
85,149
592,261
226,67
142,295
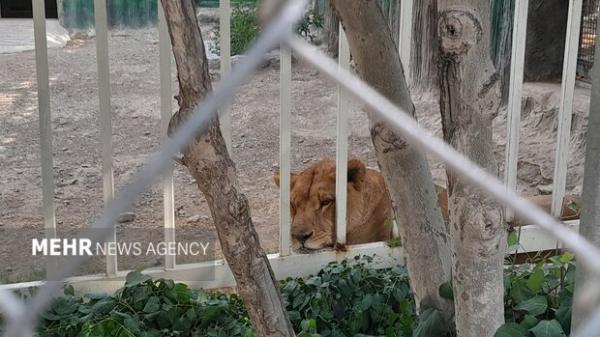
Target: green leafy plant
x,y
146,307
244,29
538,298
343,299
348,298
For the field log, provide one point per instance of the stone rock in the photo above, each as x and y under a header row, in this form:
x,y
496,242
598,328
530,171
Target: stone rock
x,y
193,218
126,217
545,189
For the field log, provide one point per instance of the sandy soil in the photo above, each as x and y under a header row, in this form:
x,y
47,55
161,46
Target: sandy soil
x,y
136,134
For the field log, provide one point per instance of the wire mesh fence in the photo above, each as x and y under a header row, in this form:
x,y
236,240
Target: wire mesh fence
x,y
587,42
21,318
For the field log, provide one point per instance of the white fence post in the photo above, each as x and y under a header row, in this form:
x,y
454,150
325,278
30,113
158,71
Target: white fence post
x,y
513,118
285,95
45,115
164,51
341,155
101,25
225,61
566,106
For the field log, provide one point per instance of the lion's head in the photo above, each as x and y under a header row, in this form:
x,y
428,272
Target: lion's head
x,y
313,203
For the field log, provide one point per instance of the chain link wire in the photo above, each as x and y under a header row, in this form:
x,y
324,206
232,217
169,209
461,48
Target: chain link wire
x,y
22,318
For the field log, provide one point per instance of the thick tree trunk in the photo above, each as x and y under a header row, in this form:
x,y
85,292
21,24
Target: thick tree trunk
x,y
585,303
392,14
406,172
209,163
332,29
469,99
424,54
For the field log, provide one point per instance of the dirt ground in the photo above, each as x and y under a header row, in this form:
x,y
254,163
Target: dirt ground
x,y
136,134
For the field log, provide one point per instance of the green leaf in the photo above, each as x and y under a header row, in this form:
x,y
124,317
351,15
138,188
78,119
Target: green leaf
x,y
519,291
567,257
69,290
535,306
548,329
152,305
563,316
511,330
536,279
103,306
308,325
446,291
135,277
512,239
529,322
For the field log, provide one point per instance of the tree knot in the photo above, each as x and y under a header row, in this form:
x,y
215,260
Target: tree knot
x,y
459,31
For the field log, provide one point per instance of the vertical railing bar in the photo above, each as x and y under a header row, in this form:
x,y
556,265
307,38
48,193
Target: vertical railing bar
x,y
285,95
566,106
164,52
341,155
101,25
405,36
225,61
513,119
45,115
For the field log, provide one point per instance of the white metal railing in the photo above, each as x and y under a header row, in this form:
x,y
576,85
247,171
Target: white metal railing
x,y
566,105
284,263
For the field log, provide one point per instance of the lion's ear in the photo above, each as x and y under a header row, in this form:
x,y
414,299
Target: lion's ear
x,y
356,172
276,178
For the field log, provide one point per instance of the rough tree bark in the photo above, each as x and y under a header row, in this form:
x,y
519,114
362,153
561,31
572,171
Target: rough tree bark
x,y
332,30
469,100
406,171
392,15
209,163
424,54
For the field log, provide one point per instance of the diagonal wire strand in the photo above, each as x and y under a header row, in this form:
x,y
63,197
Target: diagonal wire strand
x,y
276,32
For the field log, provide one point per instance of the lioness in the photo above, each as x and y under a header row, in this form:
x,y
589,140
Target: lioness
x,y
369,211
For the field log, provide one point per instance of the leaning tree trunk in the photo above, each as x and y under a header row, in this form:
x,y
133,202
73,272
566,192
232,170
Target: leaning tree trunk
x,y
469,99
332,29
405,169
585,302
209,163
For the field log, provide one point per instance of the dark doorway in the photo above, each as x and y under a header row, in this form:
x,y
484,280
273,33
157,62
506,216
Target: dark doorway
x,y
23,9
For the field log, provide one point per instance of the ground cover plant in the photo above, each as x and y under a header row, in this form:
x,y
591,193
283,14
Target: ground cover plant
x,y
347,298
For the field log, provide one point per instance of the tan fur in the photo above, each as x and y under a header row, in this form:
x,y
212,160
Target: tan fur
x,y
313,205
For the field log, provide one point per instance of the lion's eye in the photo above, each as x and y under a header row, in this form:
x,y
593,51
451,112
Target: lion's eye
x,y
326,202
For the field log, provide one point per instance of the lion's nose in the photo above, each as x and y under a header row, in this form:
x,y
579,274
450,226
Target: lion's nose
x,y
302,236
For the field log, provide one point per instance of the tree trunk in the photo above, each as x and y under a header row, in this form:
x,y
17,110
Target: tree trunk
x,y
405,169
332,30
392,15
585,302
502,23
424,54
209,163
469,100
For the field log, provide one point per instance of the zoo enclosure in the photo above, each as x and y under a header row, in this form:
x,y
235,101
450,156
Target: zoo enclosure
x,y
285,263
